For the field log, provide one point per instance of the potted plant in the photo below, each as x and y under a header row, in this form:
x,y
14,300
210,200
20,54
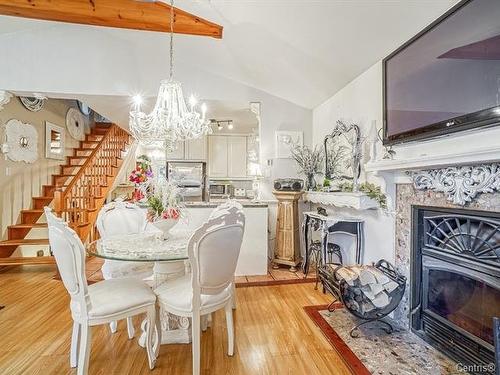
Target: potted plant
x,y
310,162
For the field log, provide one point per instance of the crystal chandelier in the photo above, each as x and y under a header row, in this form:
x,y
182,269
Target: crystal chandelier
x,y
171,120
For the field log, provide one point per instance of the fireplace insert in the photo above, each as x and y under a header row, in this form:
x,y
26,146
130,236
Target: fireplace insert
x,y
455,282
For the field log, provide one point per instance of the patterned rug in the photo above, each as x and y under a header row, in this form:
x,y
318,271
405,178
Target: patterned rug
x,y
375,351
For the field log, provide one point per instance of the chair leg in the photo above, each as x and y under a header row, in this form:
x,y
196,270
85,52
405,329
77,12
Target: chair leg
x,y
233,296
196,342
158,332
75,339
230,329
130,328
151,317
112,326
84,354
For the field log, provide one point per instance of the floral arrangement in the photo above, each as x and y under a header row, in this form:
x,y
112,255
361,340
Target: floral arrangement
x,y
310,162
372,190
164,201
140,177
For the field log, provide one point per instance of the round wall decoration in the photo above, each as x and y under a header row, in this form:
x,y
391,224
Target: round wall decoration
x,y
76,122
33,103
22,141
5,97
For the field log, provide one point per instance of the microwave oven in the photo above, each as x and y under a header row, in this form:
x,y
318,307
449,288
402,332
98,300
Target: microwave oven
x,y
220,190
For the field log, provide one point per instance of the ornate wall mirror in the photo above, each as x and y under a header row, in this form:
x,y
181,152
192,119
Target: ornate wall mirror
x,y
343,153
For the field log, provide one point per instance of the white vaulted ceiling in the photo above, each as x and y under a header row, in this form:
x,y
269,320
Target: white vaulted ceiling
x,y
302,51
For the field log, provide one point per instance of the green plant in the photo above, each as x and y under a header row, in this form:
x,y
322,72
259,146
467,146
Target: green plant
x,y
326,182
371,190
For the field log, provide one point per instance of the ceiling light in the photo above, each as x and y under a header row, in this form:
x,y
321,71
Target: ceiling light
x,y
230,125
219,126
170,120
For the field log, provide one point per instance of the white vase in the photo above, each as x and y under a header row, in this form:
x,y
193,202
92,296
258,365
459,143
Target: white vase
x,y
165,225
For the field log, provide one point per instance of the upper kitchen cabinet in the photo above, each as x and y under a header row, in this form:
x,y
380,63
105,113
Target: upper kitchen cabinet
x,y
196,149
237,156
227,156
217,156
177,153
192,150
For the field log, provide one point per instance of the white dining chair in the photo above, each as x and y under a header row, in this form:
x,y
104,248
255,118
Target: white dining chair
x,y
221,210
99,303
213,250
123,218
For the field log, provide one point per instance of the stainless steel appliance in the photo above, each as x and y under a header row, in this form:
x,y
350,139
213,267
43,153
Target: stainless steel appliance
x,y
190,177
220,190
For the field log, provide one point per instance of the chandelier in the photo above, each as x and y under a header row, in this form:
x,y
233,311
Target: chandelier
x,y
171,120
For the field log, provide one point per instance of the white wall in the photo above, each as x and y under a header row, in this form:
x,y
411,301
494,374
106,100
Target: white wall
x,y
361,102
21,181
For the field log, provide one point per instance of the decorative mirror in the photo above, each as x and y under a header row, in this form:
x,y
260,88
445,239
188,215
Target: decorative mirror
x,y
343,153
22,141
54,141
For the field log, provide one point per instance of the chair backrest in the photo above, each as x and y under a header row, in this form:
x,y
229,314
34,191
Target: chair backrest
x,y
69,252
119,217
214,249
221,209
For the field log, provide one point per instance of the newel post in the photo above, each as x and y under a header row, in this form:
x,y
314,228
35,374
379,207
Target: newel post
x,y
58,201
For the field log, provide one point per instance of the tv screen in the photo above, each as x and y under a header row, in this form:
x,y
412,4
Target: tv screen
x,y
447,78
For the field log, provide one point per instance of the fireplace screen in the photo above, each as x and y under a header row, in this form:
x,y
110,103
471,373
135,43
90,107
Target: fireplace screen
x,y
455,281
468,303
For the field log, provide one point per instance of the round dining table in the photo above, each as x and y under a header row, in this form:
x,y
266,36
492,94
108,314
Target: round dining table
x,y
169,256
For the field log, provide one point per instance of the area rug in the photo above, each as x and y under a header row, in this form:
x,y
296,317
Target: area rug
x,y
375,351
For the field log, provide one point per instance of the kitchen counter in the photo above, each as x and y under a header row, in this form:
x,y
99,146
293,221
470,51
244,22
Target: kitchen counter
x,y
215,203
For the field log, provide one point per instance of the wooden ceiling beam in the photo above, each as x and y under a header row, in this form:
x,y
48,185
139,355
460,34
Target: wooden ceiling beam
x,y
124,14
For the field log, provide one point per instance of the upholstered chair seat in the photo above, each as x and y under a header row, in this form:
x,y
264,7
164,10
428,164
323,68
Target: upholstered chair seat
x,y
99,303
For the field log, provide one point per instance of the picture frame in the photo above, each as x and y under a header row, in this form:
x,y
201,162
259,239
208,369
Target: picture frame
x,y
54,141
284,139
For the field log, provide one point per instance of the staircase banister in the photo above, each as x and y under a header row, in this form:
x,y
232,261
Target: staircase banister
x,y
90,159
60,194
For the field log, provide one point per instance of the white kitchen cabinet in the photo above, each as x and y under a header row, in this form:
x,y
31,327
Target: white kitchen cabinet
x,y
177,153
237,156
196,149
217,156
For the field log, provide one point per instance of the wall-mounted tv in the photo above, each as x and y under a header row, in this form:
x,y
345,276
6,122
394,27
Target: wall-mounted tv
x,y
447,78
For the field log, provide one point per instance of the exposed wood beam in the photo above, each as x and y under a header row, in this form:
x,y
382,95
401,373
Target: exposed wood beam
x,y
125,14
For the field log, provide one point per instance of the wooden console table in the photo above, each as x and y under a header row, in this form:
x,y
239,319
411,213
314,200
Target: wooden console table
x,y
330,225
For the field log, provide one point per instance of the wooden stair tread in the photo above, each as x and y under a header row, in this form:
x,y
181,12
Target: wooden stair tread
x,y
34,225
19,242
19,261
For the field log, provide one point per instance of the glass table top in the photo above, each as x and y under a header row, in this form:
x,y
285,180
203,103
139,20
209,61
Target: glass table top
x,y
146,247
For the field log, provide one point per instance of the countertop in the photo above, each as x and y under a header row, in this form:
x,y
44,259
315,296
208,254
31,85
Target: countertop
x,y
215,203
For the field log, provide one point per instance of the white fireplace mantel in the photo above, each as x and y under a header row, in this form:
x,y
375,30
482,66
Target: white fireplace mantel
x,y
357,201
478,156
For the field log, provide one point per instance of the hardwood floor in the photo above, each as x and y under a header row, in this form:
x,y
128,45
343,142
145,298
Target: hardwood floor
x,y
273,334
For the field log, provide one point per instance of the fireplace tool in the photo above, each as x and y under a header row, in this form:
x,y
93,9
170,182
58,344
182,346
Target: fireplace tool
x,y
354,298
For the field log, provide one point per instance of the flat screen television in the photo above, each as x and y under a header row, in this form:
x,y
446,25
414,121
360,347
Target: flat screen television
x,y
447,78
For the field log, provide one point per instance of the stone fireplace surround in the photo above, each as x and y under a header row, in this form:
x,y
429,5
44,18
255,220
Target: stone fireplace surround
x,y
406,197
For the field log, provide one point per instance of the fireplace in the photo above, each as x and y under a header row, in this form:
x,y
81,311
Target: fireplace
x,y
455,281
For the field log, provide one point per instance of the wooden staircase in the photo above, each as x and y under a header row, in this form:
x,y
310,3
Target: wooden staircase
x,y
76,193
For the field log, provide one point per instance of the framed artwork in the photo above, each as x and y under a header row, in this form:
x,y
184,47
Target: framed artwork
x,y
54,141
283,140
